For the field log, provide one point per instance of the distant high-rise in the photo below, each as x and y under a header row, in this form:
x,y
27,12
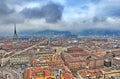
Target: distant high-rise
x,y
15,37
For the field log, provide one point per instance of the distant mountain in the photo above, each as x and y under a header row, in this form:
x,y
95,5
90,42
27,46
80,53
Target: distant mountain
x,y
47,33
87,32
100,32
54,32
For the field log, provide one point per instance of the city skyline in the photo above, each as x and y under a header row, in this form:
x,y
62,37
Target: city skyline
x,y
70,15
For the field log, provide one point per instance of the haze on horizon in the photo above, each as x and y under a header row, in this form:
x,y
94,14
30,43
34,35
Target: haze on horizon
x,y
71,15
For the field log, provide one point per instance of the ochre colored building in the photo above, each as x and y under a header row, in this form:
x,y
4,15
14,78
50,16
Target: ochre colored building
x,y
42,73
76,58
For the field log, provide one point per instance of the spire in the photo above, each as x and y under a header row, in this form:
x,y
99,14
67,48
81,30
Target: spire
x,y
15,29
15,37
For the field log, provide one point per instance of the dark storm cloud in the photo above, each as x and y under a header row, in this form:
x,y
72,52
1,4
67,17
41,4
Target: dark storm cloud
x,y
52,12
11,19
109,11
99,19
32,13
4,9
8,15
22,2
80,13
113,11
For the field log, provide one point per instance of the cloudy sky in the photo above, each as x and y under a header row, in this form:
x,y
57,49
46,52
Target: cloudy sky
x,y
72,15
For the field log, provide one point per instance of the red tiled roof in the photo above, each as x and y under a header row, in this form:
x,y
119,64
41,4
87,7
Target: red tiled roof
x,y
97,54
116,52
74,49
29,73
91,73
66,69
68,76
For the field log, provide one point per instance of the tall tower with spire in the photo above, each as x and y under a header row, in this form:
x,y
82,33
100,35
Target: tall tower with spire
x,y
15,37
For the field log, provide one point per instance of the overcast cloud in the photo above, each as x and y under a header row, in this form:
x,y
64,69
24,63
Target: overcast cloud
x,y
72,15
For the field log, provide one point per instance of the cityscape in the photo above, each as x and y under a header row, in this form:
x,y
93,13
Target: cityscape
x,y
59,39
59,57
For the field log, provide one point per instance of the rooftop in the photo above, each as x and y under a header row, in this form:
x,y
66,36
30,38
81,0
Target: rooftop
x,y
91,73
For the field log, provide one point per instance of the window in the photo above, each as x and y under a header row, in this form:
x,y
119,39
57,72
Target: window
x,y
40,74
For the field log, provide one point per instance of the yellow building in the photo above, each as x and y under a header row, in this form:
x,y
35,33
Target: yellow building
x,y
41,73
